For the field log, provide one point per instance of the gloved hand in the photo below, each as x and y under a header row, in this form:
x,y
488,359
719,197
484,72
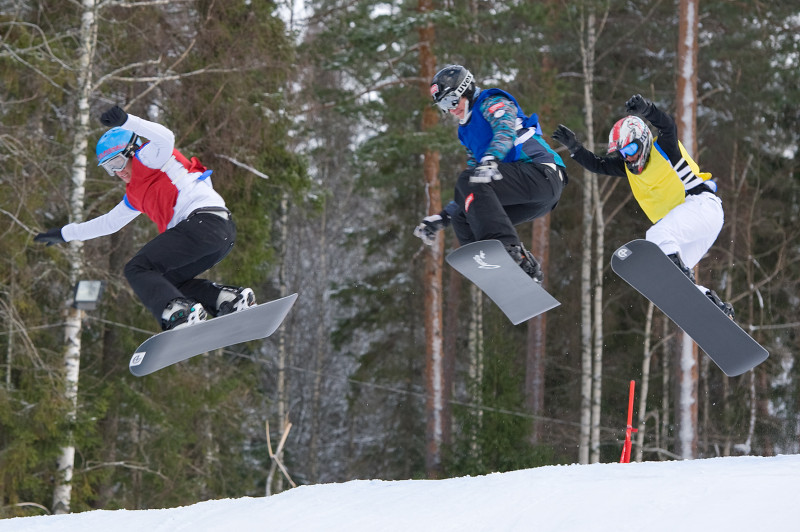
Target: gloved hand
x,y
113,117
486,171
52,236
565,136
638,105
430,226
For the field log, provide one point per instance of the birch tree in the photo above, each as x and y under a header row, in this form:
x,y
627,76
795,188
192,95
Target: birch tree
x,y
591,319
686,105
72,329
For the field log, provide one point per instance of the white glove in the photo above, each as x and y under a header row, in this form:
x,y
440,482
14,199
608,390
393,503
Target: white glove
x,y
429,227
486,171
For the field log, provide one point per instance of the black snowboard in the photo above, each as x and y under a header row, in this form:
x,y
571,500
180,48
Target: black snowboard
x,y
487,264
644,266
170,347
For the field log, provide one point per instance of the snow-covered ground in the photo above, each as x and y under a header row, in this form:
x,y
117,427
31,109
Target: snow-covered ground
x,y
727,494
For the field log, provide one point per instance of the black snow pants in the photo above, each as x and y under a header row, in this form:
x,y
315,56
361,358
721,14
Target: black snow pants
x,y
491,210
165,268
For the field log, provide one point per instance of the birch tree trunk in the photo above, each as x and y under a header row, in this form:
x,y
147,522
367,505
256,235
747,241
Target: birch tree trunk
x,y
644,388
475,368
450,336
72,329
666,378
597,325
588,43
686,108
282,387
436,425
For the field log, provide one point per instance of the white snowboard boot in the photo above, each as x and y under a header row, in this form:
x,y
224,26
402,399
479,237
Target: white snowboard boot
x,y
234,299
182,312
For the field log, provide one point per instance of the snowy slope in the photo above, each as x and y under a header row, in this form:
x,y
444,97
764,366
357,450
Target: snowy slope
x,y
730,494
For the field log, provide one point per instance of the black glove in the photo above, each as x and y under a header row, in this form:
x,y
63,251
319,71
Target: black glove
x,y
430,226
52,236
638,105
565,136
114,117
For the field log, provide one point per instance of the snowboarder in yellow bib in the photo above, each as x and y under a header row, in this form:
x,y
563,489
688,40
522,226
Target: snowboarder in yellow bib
x,y
680,200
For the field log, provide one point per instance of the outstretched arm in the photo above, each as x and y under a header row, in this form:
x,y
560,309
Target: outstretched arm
x,y
111,222
612,165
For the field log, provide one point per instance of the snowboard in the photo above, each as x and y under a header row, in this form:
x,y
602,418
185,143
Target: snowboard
x,y
170,347
489,266
645,267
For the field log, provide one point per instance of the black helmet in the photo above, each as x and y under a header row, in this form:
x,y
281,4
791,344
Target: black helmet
x,y
450,84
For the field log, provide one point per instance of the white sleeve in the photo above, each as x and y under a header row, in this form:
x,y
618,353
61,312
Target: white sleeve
x,y
111,222
162,141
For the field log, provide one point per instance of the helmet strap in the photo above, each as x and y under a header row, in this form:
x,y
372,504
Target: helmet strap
x,y
130,149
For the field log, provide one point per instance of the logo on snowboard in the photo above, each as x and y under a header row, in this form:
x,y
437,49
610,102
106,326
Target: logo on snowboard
x,y
623,253
137,359
480,258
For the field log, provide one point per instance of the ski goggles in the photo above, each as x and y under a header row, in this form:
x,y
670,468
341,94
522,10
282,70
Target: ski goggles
x,y
115,164
630,149
449,102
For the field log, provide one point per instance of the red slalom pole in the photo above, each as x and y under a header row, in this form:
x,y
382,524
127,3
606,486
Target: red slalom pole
x,y
626,448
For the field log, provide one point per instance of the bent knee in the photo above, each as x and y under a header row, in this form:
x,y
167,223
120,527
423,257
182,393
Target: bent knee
x,y
136,265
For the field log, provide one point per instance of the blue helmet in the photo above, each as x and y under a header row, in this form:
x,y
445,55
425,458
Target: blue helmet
x,y
115,142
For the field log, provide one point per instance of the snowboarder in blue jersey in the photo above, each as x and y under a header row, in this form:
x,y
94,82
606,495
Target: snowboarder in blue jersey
x,y
196,229
512,175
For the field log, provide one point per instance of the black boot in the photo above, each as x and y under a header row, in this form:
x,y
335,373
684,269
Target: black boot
x,y
526,261
727,308
676,258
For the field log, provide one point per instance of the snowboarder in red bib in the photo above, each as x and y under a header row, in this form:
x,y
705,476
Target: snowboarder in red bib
x,y
512,175
680,200
196,230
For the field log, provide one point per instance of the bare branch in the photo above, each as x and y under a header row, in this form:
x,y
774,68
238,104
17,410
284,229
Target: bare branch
x,y
19,222
243,165
126,465
146,3
113,73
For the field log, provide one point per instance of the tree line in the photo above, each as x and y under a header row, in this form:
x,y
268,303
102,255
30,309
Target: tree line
x,y
318,125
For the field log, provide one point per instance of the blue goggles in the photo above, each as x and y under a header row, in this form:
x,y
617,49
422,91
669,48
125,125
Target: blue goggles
x,y
630,149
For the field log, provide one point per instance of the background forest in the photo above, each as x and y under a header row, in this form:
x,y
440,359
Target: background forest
x,y
315,117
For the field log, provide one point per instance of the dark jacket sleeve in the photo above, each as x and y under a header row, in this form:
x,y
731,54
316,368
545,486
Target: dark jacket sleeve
x,y
450,209
612,165
667,133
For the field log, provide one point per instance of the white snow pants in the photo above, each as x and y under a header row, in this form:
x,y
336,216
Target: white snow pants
x,y
690,228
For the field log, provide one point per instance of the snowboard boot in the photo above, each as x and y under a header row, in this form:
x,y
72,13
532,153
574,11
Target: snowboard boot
x,y
233,299
727,308
676,258
182,312
526,261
